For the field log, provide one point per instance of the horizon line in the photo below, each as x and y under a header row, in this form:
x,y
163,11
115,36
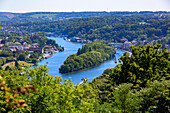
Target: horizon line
x,y
85,11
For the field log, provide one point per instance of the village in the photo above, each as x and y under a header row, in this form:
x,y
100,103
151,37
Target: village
x,y
22,47
123,45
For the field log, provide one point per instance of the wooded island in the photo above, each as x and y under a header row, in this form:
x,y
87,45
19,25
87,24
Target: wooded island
x,y
89,56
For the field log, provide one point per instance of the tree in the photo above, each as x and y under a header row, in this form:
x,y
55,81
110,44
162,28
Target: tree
x,y
34,60
7,68
125,99
79,52
21,57
11,101
88,57
156,93
146,63
16,64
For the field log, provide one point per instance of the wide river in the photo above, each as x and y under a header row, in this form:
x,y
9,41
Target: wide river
x,y
58,59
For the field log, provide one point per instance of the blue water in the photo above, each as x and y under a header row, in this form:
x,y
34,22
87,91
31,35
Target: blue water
x,y
58,59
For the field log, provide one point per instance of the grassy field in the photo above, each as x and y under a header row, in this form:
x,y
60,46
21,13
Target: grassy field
x,y
21,63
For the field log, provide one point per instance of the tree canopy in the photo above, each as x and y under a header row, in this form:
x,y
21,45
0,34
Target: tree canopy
x,y
89,56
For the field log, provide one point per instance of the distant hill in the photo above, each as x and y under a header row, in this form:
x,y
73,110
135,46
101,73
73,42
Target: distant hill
x,y
54,16
6,16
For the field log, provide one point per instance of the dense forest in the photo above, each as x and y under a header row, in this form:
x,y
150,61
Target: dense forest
x,y
111,28
89,56
140,84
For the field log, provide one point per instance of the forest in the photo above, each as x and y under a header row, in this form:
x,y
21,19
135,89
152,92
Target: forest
x,y
55,16
110,28
89,56
139,84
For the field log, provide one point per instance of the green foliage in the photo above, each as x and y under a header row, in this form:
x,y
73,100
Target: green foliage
x,y
10,99
126,99
16,64
54,96
156,93
140,83
21,57
89,56
2,60
111,28
6,53
8,68
34,60
146,63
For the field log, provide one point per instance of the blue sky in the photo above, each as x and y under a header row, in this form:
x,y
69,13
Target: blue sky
x,y
83,5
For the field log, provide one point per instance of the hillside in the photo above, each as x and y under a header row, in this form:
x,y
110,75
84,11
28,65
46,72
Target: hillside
x,y
54,16
117,29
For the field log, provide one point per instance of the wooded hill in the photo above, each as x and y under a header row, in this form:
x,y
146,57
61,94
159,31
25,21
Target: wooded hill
x,y
54,16
111,28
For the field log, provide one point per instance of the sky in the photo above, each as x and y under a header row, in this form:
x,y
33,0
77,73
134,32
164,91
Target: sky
x,y
23,6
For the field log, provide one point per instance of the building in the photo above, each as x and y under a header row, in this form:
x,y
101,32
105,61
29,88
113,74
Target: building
x,y
134,42
124,40
75,39
0,40
127,45
116,45
49,34
37,49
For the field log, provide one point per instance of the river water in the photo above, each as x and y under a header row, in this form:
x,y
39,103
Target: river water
x,y
58,59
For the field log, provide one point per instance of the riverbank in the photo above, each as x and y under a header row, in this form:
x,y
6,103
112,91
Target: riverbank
x,y
129,52
88,57
69,40
47,55
85,69
56,60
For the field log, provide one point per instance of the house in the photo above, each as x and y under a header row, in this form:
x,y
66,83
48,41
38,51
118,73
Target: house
x,y
48,51
35,44
127,45
75,39
83,41
49,34
13,49
21,40
37,49
24,44
134,42
0,40
123,39
9,43
19,48
17,43
1,45
89,42
5,48
116,45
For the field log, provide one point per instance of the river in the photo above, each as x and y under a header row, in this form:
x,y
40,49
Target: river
x,y
58,59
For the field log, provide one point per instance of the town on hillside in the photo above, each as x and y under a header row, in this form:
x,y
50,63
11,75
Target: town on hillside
x,y
22,47
124,44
